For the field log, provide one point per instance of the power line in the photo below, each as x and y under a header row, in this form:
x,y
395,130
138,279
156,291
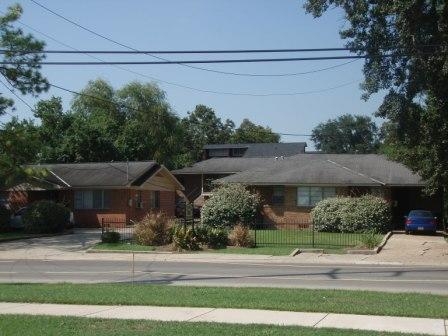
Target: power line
x,y
215,61
161,58
181,85
15,94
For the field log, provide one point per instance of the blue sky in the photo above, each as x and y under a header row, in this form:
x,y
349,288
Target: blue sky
x,y
208,24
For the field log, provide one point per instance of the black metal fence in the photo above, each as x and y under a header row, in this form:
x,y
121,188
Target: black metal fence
x,y
303,234
294,234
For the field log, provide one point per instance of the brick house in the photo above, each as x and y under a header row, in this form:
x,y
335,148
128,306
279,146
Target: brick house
x,y
290,186
110,191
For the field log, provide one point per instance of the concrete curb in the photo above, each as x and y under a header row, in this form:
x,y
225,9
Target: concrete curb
x,y
374,251
92,250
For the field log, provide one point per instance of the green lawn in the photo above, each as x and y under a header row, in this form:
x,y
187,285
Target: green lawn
x,y
26,325
329,301
304,238
122,247
278,250
14,235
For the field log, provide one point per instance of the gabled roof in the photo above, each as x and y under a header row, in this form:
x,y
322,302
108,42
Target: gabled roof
x,y
103,174
329,169
265,149
226,165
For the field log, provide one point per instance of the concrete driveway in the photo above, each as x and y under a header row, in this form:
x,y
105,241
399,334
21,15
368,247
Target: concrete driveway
x,y
43,247
414,249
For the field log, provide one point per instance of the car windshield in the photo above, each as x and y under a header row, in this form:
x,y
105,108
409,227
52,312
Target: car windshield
x,y
420,213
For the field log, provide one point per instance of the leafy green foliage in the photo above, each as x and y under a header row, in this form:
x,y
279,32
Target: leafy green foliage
x,y
24,72
216,237
184,238
46,217
414,34
248,132
202,126
352,214
230,204
346,134
110,237
154,229
370,240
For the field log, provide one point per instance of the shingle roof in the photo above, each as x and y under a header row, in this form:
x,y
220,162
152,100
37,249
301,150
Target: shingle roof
x,y
226,165
104,174
265,149
330,169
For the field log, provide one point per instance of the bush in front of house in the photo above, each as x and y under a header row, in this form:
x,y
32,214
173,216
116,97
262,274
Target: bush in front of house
x,y
240,236
46,217
327,214
185,238
352,214
5,216
217,238
110,237
154,229
367,213
230,204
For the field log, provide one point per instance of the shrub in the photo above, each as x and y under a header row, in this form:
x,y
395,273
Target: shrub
x,y
5,216
352,214
184,238
240,236
153,229
230,204
216,238
370,240
46,217
110,237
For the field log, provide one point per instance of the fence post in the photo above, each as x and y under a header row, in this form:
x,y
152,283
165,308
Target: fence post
x,y
255,234
102,225
312,227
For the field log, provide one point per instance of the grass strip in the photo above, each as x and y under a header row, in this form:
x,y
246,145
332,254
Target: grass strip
x,y
26,325
286,299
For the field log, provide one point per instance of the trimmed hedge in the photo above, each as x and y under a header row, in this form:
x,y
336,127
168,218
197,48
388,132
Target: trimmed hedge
x,y
46,217
352,214
230,204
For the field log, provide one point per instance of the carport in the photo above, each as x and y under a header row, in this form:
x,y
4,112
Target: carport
x,y
405,199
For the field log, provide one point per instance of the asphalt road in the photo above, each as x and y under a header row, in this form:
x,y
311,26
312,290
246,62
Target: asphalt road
x,y
430,279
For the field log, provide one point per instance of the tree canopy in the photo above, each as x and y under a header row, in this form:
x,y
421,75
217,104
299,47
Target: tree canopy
x,y
248,132
24,72
347,134
405,43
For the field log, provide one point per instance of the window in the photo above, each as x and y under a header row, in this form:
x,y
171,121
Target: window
x,y
92,199
218,152
310,196
238,151
278,195
154,199
138,200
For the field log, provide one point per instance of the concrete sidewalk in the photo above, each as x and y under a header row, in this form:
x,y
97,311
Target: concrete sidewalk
x,y
239,316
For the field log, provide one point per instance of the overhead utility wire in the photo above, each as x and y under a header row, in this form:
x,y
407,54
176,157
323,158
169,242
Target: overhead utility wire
x,y
173,83
215,61
161,58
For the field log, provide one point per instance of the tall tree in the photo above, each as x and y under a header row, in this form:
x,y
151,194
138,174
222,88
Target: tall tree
x,y
23,69
405,42
202,126
248,132
347,134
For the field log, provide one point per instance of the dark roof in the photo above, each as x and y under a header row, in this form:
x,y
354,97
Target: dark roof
x,y
265,149
104,174
329,169
225,165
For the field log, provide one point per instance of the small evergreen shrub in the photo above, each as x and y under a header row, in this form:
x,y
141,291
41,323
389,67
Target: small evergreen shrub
x,y
230,204
352,214
46,217
370,240
5,216
154,229
240,236
110,237
217,238
184,238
